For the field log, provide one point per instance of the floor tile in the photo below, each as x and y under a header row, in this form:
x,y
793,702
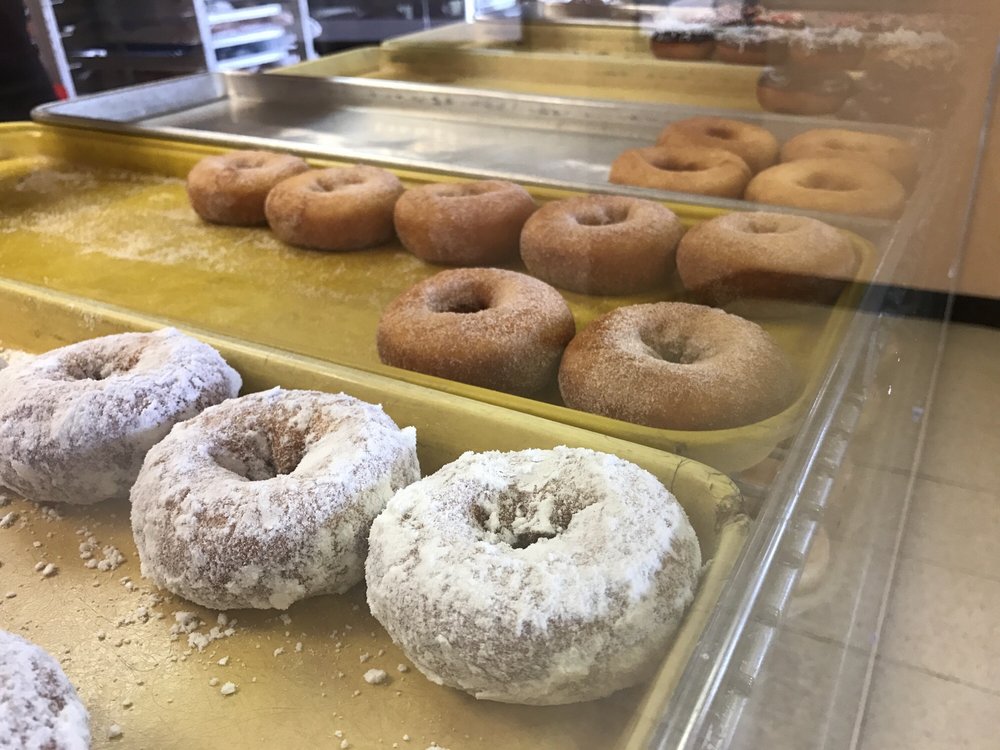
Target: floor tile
x,y
945,621
911,710
955,528
958,452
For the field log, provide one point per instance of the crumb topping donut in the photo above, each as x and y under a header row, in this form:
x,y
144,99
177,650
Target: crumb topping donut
x,y
683,169
343,208
676,366
231,188
76,422
540,577
39,709
268,499
752,143
602,244
835,185
892,154
463,224
483,326
765,255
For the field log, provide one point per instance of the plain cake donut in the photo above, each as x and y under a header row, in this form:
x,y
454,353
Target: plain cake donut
x,y
463,224
268,499
602,244
538,577
892,154
683,169
835,185
483,326
676,366
765,255
76,422
231,188
752,143
39,709
343,208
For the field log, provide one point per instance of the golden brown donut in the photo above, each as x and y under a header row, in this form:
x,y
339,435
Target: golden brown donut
x,y
344,208
676,366
231,188
835,185
753,144
484,326
601,244
893,154
765,255
463,224
684,169
803,92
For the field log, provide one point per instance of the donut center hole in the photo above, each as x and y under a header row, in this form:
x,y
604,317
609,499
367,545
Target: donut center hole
x,y
263,452
720,132
247,162
333,183
92,369
674,164
466,302
466,190
678,351
519,519
601,216
767,226
835,183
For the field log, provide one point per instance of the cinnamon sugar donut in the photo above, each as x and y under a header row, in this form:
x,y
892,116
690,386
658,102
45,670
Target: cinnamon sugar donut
x,y
752,143
343,208
76,422
484,326
765,255
892,154
803,91
268,499
231,188
463,224
602,244
540,577
684,169
39,709
676,366
835,185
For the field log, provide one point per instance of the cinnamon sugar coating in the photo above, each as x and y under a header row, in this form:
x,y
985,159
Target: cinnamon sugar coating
x,y
682,168
895,155
757,146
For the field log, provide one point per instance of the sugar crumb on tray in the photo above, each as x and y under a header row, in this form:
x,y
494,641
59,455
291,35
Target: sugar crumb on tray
x,y
376,676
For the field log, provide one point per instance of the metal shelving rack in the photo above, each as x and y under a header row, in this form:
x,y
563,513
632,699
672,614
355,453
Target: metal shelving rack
x,y
92,46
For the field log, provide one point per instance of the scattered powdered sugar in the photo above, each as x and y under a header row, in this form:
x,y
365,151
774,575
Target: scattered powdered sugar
x,y
535,576
38,705
376,676
228,688
114,732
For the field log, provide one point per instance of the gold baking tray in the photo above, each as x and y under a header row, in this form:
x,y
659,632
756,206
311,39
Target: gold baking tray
x,y
590,76
115,226
159,691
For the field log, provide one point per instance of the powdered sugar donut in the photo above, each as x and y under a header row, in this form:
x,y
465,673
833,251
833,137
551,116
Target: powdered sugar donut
x,y
76,422
268,499
538,577
39,709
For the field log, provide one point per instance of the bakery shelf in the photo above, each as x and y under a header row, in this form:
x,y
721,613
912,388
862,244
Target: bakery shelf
x,y
248,13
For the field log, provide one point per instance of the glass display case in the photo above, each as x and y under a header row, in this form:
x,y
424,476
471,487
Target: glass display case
x,y
849,593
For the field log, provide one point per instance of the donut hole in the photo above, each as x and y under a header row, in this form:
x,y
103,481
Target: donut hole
x,y
832,182
463,190
675,164
245,161
836,145
328,183
519,520
721,132
464,302
678,351
260,454
768,225
601,216
95,368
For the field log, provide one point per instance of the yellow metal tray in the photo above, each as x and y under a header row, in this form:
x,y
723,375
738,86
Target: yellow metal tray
x,y
584,75
106,217
159,691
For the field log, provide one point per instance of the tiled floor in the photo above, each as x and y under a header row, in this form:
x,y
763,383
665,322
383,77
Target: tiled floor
x,y
937,677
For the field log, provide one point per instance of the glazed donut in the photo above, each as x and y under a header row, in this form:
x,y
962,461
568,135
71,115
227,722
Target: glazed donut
x,y
344,208
753,144
685,169
536,577
892,154
676,366
483,326
765,255
39,709
231,188
835,185
268,499
76,422
463,224
803,92
602,244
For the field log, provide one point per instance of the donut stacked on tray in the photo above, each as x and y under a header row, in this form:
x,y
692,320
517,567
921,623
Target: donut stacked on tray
x,y
538,576
832,170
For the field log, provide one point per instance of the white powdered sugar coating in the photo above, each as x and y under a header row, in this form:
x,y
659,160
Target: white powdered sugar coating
x,y
538,577
39,709
268,499
76,422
